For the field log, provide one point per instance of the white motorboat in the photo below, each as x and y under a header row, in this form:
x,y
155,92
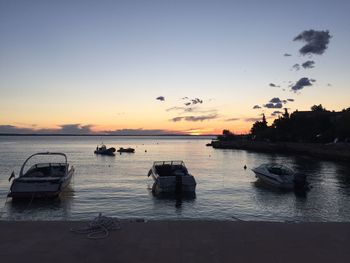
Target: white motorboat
x,y
171,177
41,180
280,176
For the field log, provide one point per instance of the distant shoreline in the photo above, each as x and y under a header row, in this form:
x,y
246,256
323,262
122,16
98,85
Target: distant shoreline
x,y
331,151
109,135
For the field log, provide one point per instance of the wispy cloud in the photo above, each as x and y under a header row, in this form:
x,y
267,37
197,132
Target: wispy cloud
x,y
308,64
194,118
62,129
233,119
296,67
252,119
274,85
141,131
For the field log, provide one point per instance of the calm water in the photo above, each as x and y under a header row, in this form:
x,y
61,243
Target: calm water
x,y
119,186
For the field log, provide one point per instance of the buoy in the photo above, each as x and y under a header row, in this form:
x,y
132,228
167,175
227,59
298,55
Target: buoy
x,y
245,167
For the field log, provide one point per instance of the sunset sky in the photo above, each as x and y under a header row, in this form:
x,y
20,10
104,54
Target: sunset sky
x,y
99,66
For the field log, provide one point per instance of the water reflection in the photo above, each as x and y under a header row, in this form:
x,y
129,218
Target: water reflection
x,y
51,208
177,199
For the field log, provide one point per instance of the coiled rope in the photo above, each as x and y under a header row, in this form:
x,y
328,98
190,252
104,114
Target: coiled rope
x,y
99,227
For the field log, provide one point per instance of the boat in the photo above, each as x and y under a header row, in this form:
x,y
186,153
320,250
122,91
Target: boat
x,y
103,150
41,180
171,177
126,150
280,176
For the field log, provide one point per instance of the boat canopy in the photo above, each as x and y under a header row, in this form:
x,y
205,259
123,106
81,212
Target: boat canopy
x,y
171,163
42,153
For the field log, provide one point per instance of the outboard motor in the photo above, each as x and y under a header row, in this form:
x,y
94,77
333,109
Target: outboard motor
x,y
300,182
178,180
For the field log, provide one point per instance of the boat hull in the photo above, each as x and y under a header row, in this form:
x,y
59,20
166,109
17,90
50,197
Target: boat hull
x,y
173,184
273,181
22,188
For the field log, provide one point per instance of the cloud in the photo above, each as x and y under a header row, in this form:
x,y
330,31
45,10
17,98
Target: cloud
x,y
252,119
196,100
308,64
276,112
256,107
233,119
274,85
195,118
273,105
316,41
175,108
188,103
275,100
160,98
290,99
287,55
296,67
301,83
62,129
141,131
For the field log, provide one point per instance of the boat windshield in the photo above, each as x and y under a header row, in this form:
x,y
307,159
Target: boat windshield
x,y
279,169
170,168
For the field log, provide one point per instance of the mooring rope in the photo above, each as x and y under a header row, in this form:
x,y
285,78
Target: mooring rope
x,y
99,227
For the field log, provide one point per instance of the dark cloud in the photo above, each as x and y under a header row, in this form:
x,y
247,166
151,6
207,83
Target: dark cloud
x,y
273,105
287,55
301,83
188,103
195,118
275,100
296,66
196,101
316,41
184,98
256,107
160,98
274,85
308,64
290,99
233,119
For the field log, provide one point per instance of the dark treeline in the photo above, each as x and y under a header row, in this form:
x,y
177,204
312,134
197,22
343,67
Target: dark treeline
x,y
317,125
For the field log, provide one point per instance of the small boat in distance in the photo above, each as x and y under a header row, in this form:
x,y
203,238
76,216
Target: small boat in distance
x,y
281,176
126,150
41,180
103,150
171,177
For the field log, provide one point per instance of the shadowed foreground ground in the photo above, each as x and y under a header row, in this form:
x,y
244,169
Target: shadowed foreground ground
x,y
177,241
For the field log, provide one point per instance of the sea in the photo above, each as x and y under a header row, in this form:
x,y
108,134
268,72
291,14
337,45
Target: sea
x,y
118,186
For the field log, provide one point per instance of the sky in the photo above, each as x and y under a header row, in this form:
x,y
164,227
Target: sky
x,y
155,67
